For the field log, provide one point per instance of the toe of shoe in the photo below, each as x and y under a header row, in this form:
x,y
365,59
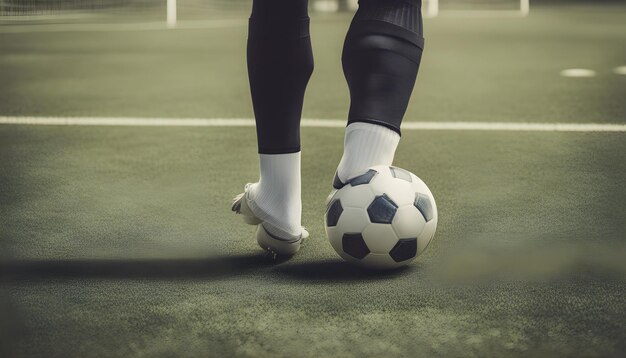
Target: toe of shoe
x,y
240,206
236,204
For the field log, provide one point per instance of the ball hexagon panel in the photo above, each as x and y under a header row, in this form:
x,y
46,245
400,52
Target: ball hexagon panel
x,y
352,220
380,238
399,190
333,212
405,249
363,178
419,185
425,206
408,222
355,197
382,210
354,245
427,235
401,174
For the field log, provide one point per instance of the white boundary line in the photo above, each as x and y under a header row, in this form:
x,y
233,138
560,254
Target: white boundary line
x,y
316,123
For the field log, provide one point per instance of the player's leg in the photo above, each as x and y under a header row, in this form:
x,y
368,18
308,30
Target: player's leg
x,y
280,62
381,58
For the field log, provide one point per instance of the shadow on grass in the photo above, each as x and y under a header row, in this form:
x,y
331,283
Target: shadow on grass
x,y
203,268
337,271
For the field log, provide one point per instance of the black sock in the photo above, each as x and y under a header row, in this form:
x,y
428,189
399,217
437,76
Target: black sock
x,y
381,58
280,62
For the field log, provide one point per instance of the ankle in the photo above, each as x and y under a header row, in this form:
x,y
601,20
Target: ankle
x,y
366,145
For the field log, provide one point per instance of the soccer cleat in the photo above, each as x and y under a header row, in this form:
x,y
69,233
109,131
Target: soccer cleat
x,y
270,237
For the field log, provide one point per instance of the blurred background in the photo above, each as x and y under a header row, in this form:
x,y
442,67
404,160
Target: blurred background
x,y
496,60
204,8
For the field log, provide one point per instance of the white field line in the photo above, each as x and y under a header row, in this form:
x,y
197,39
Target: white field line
x,y
316,123
141,26
578,72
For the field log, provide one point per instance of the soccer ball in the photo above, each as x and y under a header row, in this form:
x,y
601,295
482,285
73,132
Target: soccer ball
x,y
381,219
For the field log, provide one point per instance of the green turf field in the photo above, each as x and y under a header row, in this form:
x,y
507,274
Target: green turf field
x,y
119,241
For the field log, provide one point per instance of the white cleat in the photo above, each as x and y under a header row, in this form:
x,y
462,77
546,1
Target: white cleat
x,y
270,237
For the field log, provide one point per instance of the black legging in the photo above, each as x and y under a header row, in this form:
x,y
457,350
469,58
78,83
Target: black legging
x,y
381,58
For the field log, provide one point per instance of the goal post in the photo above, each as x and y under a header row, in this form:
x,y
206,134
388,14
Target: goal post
x,y
475,8
525,7
430,8
171,13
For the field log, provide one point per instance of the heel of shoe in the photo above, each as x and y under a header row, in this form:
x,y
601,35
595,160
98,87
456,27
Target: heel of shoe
x,y
251,220
275,244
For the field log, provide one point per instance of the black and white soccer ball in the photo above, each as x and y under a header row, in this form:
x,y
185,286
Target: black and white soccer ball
x,y
381,219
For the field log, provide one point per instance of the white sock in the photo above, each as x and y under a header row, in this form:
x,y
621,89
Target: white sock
x,y
366,145
277,194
